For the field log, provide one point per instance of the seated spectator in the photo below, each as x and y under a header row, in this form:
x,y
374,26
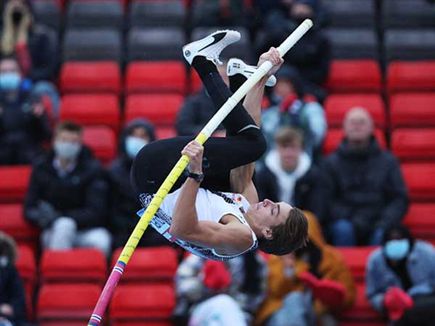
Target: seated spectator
x,y
197,110
400,279
289,175
24,124
293,107
309,287
311,56
35,46
218,293
366,193
68,195
12,295
124,201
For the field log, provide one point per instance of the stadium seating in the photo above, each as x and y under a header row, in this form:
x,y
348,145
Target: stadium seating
x,y
361,311
411,110
91,110
408,13
164,132
95,14
26,267
159,109
79,265
90,77
414,144
355,43
155,264
356,259
157,13
14,183
337,105
354,76
350,13
412,76
13,223
47,12
66,304
155,76
410,44
420,179
142,303
102,141
420,220
334,137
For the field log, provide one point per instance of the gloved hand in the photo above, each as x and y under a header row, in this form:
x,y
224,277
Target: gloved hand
x,y
216,275
396,302
329,292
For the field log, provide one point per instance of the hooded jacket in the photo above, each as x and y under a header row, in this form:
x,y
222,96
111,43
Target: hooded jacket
x,y
331,267
365,186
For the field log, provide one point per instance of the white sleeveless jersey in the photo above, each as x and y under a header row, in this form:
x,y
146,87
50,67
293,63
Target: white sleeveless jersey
x,y
210,206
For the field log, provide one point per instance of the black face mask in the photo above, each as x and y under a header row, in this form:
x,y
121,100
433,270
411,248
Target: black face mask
x,y
16,17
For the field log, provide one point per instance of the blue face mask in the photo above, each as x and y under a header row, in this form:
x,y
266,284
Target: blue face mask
x,y
10,81
133,145
397,249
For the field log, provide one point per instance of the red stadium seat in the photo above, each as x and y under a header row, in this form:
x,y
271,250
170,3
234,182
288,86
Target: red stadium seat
x,y
161,109
165,132
334,137
26,267
415,76
420,220
156,77
79,265
102,141
413,144
354,76
420,179
13,223
337,105
157,264
195,81
356,259
14,183
90,77
91,110
66,303
362,310
152,302
412,110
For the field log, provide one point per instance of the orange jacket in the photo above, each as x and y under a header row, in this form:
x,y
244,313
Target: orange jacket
x,y
331,267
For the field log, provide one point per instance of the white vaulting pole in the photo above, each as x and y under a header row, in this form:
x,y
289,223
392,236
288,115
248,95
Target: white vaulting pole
x,y
210,127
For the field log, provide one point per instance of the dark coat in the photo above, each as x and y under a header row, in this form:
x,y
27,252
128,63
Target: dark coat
x,y
307,194
43,49
365,186
81,195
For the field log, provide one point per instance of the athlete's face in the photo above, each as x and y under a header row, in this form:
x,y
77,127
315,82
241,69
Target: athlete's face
x,y
268,214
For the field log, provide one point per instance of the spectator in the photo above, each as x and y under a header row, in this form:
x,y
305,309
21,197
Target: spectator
x,y
67,196
309,287
293,107
400,278
12,297
226,293
24,124
35,47
289,175
365,190
197,110
311,56
124,201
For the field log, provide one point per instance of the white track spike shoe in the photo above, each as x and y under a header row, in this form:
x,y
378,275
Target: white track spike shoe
x,y
237,66
210,46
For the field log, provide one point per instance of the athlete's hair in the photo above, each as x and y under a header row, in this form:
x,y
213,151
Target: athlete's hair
x,y
287,237
68,126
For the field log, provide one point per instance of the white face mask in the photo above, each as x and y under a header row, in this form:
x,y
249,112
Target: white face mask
x,y
67,150
133,145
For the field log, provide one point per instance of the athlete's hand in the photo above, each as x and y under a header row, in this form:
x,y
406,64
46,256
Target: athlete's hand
x,y
273,56
194,151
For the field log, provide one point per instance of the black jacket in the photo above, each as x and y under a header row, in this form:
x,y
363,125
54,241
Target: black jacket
x,y
43,48
365,186
307,194
196,111
81,195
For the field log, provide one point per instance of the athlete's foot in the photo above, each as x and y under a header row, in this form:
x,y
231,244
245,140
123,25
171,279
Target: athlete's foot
x,y
210,46
237,66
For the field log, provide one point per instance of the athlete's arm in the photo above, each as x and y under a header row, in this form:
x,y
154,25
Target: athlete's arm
x,y
230,238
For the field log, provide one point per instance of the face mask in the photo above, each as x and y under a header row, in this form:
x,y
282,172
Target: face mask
x,y
397,249
133,145
10,81
67,150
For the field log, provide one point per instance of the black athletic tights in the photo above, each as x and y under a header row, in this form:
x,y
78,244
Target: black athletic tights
x,y
241,146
